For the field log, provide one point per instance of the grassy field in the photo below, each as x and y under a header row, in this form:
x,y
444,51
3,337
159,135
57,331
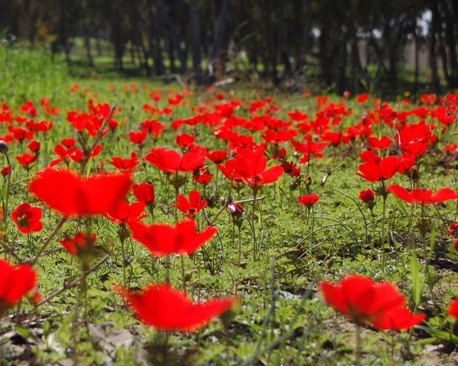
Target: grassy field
x,y
272,258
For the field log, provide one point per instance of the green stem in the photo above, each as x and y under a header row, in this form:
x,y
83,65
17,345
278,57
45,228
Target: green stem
x,y
383,223
358,345
183,273
50,238
124,261
253,227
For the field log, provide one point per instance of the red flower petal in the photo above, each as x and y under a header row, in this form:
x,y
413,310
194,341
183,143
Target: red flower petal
x,y
165,308
71,195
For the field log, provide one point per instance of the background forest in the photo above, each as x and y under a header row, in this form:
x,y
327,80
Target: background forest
x,y
377,46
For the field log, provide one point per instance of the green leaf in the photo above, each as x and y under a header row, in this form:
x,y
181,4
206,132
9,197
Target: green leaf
x,y
24,332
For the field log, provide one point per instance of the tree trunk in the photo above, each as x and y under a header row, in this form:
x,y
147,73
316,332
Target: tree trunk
x,y
283,27
432,47
195,41
174,39
215,61
342,64
155,46
87,47
450,32
417,61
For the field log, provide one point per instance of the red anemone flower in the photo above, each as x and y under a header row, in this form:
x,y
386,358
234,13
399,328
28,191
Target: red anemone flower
x,y
137,137
144,192
453,229
309,148
125,213
250,166
125,164
382,143
192,206
185,140
375,170
364,300
217,156
202,176
423,196
362,98
15,282
367,196
28,218
453,309
34,147
163,239
171,161
80,244
26,160
6,171
72,195
308,200
168,309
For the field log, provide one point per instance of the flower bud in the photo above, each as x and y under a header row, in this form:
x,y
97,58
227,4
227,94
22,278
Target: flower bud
x,y
3,147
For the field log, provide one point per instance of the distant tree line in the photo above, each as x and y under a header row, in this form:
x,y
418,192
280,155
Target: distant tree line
x,y
278,40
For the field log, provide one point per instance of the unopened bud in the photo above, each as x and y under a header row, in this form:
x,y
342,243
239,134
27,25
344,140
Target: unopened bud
x,y
3,147
235,209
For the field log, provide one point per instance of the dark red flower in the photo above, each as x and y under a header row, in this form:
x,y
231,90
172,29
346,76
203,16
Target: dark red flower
x,y
28,218
453,229
171,161
375,170
367,196
71,195
167,309
308,200
364,300
192,206
6,171
291,169
15,283
80,245
163,239
423,196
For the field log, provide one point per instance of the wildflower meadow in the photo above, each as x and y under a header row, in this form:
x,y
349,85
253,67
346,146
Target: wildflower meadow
x,y
165,224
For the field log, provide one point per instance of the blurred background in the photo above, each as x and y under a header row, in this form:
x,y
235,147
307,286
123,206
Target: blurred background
x,y
381,46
